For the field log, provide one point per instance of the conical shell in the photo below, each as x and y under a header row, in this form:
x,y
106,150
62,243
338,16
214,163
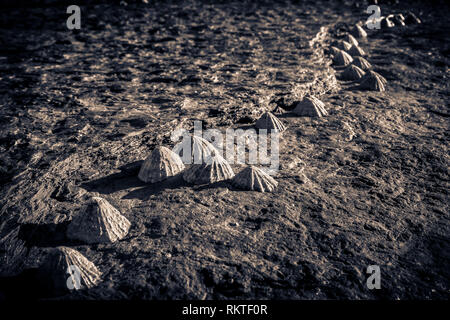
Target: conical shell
x,y
352,72
398,21
344,45
200,150
342,59
59,271
356,51
334,50
98,222
310,107
214,170
255,179
373,81
278,110
351,39
362,63
386,23
161,164
359,32
270,122
411,18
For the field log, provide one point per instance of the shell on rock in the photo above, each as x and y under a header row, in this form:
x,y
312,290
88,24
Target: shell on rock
x,y
359,32
255,179
386,23
342,58
411,18
344,45
398,20
373,81
214,170
356,51
200,150
62,262
362,63
334,50
310,107
98,222
161,164
270,122
352,72
351,39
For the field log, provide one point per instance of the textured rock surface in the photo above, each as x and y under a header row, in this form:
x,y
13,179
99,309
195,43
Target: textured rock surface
x,y
161,164
270,122
381,198
255,179
97,222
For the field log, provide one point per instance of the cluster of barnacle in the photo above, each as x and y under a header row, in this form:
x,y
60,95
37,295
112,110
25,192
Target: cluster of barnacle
x,y
347,53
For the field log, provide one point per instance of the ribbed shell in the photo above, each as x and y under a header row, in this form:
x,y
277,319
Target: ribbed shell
x,y
334,50
373,81
359,32
398,21
216,169
362,63
270,122
411,18
255,179
342,59
386,23
356,51
54,272
344,45
352,73
351,39
310,107
161,164
98,222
